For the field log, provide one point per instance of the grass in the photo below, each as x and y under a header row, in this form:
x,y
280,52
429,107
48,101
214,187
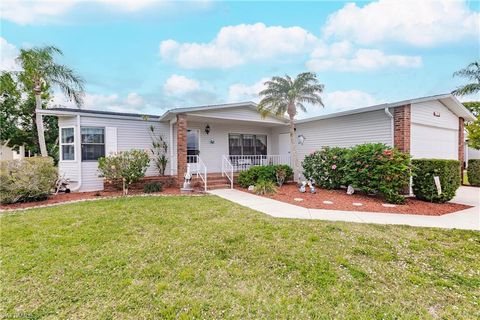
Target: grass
x,y
203,257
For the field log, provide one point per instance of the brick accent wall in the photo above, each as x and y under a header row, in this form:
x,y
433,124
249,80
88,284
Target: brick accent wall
x,y
401,128
461,146
181,146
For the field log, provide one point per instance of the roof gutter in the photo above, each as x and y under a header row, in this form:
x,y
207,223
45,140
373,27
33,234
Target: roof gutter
x,y
392,129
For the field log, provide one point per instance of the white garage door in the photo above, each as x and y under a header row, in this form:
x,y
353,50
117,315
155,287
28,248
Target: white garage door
x,y
433,142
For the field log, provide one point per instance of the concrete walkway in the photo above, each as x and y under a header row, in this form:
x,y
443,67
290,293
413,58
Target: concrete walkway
x,y
468,219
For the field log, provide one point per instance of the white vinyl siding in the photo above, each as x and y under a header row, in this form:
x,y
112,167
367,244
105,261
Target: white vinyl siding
x,y
111,141
212,154
434,131
344,131
240,113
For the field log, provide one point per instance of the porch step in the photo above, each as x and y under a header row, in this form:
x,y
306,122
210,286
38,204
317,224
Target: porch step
x,y
214,181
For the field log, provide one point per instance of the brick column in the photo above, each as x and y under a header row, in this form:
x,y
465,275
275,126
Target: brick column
x,y
401,128
181,147
461,146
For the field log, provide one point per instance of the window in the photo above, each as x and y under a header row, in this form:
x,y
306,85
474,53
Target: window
x,y
247,144
67,144
193,145
93,143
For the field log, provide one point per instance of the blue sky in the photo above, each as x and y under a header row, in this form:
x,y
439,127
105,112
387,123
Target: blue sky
x,y
149,56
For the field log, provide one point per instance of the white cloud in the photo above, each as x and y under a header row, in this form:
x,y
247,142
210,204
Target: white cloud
x,y
237,45
241,92
177,84
339,100
350,99
7,57
41,11
342,56
420,23
133,102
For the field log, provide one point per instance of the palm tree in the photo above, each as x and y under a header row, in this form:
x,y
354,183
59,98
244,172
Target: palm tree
x,y
39,72
471,72
287,95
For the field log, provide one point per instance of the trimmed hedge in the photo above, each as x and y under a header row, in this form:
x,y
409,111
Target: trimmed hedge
x,y
423,182
372,167
262,173
326,167
26,180
473,172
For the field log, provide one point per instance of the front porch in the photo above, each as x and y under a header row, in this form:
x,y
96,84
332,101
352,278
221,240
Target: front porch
x,y
215,145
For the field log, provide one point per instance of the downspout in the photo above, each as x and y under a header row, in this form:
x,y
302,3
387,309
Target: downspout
x,y
171,148
392,132
78,155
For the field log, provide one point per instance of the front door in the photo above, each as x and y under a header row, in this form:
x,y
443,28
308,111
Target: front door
x,y
284,144
193,148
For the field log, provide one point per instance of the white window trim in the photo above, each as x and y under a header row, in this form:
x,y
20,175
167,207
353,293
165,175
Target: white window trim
x,y
68,144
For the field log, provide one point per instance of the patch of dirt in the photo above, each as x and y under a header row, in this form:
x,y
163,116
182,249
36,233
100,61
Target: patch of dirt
x,y
66,197
342,201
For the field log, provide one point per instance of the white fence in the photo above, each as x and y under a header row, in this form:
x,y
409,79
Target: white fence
x,y
243,162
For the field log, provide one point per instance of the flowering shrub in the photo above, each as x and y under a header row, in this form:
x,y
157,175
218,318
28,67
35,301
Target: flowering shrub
x,y
326,167
127,166
376,168
372,168
29,179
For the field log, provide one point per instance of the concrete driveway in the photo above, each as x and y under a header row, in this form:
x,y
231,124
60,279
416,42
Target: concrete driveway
x,y
468,219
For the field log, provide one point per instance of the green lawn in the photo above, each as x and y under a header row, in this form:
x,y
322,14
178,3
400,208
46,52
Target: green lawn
x,y
203,257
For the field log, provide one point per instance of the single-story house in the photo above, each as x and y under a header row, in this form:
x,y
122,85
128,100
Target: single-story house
x,y
232,137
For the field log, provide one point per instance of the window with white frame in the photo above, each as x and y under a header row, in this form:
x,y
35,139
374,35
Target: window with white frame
x,y
93,143
67,144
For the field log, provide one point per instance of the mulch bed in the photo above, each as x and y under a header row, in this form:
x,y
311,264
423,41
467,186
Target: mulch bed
x,y
342,201
76,196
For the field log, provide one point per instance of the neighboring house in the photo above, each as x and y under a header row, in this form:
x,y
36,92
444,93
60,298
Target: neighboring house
x,y
7,153
233,137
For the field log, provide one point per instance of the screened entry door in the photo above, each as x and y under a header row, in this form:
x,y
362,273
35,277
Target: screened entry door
x,y
193,148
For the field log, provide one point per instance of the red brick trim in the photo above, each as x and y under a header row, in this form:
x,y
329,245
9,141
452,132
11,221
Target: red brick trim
x,y
402,128
181,146
461,146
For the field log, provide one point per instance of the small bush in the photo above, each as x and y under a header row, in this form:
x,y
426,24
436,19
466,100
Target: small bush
x,y
265,187
376,168
423,182
474,172
326,167
127,166
152,187
262,173
29,179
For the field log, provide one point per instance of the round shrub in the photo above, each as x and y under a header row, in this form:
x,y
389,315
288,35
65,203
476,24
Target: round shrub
x,y
255,174
377,168
473,172
29,179
424,171
326,167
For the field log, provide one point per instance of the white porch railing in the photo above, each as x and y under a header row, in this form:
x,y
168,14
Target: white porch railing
x,y
243,162
198,167
227,170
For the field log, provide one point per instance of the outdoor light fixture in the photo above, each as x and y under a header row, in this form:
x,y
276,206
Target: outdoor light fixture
x,y
301,139
207,129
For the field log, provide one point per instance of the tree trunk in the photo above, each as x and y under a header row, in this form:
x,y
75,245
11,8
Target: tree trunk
x,y
293,147
39,123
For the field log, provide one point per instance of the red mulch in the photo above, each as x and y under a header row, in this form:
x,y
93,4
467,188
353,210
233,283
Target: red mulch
x,y
65,197
342,201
